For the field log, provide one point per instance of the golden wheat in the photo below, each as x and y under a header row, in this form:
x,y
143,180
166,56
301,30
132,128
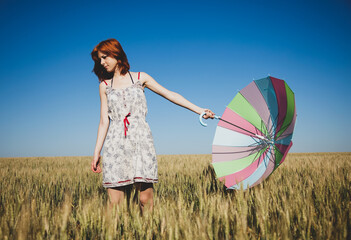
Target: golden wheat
x,y
307,197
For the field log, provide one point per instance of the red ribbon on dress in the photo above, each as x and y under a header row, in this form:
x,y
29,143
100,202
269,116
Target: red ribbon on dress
x,y
125,121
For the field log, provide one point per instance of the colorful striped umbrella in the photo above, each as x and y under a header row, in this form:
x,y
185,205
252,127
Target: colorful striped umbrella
x,y
254,134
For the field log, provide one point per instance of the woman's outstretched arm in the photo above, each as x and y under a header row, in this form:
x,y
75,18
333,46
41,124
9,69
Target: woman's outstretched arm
x,y
174,97
102,131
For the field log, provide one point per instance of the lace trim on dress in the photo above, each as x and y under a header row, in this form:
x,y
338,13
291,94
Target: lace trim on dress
x,y
129,181
136,84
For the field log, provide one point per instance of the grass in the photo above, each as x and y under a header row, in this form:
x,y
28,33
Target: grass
x,y
307,197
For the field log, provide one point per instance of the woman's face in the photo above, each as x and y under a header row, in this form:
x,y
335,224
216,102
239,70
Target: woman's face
x,y
109,63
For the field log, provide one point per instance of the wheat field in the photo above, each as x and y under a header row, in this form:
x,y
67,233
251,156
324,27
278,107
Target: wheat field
x,y
307,197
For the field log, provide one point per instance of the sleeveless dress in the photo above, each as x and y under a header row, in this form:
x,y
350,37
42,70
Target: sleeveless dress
x,y
129,154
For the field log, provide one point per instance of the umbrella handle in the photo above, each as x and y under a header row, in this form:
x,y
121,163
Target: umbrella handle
x,y
205,124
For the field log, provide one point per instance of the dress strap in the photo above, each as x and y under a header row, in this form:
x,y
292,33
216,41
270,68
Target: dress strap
x,y
105,82
112,80
131,77
139,75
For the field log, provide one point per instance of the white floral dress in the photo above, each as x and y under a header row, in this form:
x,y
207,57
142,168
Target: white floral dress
x,y
129,154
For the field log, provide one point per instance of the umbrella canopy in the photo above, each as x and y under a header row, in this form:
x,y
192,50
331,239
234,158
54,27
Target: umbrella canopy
x,y
254,134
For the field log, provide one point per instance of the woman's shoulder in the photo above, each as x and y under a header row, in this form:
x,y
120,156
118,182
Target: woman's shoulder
x,y
103,84
141,76
135,75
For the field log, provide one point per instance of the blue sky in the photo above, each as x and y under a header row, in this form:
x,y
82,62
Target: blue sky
x,y
205,50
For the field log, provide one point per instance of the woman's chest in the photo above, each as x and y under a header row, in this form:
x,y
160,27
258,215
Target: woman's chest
x,y
126,97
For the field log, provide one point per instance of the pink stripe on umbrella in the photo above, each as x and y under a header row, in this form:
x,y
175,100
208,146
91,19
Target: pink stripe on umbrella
x,y
232,117
237,177
279,87
254,96
229,153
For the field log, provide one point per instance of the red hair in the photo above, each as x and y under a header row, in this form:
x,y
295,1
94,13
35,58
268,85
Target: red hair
x,y
111,47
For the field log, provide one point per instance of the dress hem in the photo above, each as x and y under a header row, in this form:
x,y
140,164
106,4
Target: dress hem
x,y
128,182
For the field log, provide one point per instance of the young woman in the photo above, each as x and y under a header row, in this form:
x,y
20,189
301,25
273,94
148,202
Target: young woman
x,y
129,156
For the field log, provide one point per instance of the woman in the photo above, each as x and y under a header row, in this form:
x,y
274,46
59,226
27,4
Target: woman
x,y
129,156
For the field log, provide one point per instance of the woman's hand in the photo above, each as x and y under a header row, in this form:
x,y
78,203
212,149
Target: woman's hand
x,y
209,114
95,164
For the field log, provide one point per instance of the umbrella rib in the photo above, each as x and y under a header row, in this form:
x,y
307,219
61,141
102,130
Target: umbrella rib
x,y
270,130
237,126
267,150
284,128
277,149
254,159
260,146
274,125
285,135
257,142
271,155
250,150
282,122
258,163
262,124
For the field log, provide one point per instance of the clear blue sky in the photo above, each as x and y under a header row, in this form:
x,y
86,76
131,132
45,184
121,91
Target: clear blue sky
x,y
204,50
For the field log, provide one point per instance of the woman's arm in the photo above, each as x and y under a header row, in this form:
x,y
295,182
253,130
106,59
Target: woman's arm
x,y
176,98
102,130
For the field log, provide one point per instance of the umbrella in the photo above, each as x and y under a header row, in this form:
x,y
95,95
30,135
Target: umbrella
x,y
254,133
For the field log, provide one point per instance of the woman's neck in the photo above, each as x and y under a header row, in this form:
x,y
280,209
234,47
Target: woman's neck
x,y
117,74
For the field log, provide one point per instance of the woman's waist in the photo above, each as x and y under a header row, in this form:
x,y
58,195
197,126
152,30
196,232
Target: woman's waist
x,y
127,118
128,125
